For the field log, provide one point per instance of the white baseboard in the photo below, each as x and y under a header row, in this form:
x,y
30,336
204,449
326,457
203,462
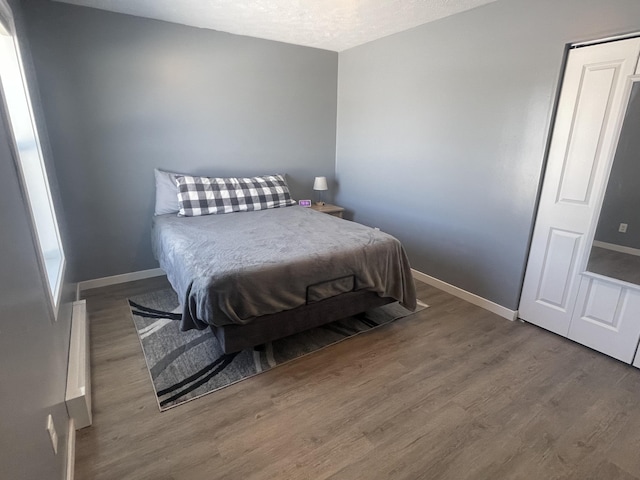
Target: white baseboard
x,y
71,451
467,296
617,248
116,279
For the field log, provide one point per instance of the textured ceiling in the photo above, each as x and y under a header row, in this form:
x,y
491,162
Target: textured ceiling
x,y
328,24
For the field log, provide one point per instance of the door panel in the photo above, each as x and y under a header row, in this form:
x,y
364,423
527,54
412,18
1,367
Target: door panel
x,y
557,268
601,305
606,318
594,98
583,138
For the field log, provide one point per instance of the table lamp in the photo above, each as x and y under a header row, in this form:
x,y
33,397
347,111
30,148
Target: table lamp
x,y
320,186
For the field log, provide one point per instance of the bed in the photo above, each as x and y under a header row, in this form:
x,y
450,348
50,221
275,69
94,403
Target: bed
x,y
255,276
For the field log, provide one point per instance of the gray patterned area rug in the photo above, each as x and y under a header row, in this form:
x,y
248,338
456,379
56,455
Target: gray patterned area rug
x,y
187,365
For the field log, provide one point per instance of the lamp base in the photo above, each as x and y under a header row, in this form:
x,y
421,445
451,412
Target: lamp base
x,y
322,204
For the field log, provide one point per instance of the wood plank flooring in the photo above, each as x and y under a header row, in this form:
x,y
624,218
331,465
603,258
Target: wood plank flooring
x,y
453,392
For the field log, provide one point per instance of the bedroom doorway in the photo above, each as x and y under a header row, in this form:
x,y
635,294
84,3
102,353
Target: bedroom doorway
x,y
595,134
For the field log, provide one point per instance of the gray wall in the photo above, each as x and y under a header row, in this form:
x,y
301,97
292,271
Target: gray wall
x,y
622,198
123,95
442,132
33,347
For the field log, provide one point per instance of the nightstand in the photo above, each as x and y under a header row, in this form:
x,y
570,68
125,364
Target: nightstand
x,y
328,208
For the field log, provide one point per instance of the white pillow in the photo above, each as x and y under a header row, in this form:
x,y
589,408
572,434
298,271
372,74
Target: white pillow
x,y
166,192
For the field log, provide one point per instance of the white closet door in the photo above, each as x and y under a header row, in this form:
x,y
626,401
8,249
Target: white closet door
x,y
607,313
591,101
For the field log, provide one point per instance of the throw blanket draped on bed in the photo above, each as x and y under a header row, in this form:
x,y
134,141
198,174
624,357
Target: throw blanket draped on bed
x,y
234,267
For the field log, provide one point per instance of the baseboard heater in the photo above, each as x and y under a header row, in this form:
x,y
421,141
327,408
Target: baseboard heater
x,y
78,395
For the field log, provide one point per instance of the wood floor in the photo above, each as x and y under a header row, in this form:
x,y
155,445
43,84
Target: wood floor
x,y
453,392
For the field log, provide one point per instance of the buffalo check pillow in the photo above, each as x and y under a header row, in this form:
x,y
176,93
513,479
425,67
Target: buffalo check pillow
x,y
206,195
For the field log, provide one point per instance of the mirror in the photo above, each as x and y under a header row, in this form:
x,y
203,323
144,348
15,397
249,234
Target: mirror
x,y
615,251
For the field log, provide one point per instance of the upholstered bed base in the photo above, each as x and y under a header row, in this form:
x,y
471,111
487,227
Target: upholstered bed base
x,y
267,328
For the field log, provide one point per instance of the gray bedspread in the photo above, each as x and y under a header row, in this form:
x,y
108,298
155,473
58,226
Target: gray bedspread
x,y
231,268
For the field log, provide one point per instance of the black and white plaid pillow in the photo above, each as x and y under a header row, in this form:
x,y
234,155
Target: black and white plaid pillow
x,y
206,195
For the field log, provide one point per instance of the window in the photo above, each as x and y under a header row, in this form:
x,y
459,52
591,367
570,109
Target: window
x,y
29,157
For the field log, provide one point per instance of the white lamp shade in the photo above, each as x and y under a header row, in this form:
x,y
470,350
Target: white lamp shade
x,y
320,183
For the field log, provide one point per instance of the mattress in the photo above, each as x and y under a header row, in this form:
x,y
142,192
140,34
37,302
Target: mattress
x,y
232,268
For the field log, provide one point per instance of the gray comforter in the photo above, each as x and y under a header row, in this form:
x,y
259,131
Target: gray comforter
x,y
231,268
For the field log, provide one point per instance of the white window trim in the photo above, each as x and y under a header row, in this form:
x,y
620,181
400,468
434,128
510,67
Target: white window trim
x,y
54,293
